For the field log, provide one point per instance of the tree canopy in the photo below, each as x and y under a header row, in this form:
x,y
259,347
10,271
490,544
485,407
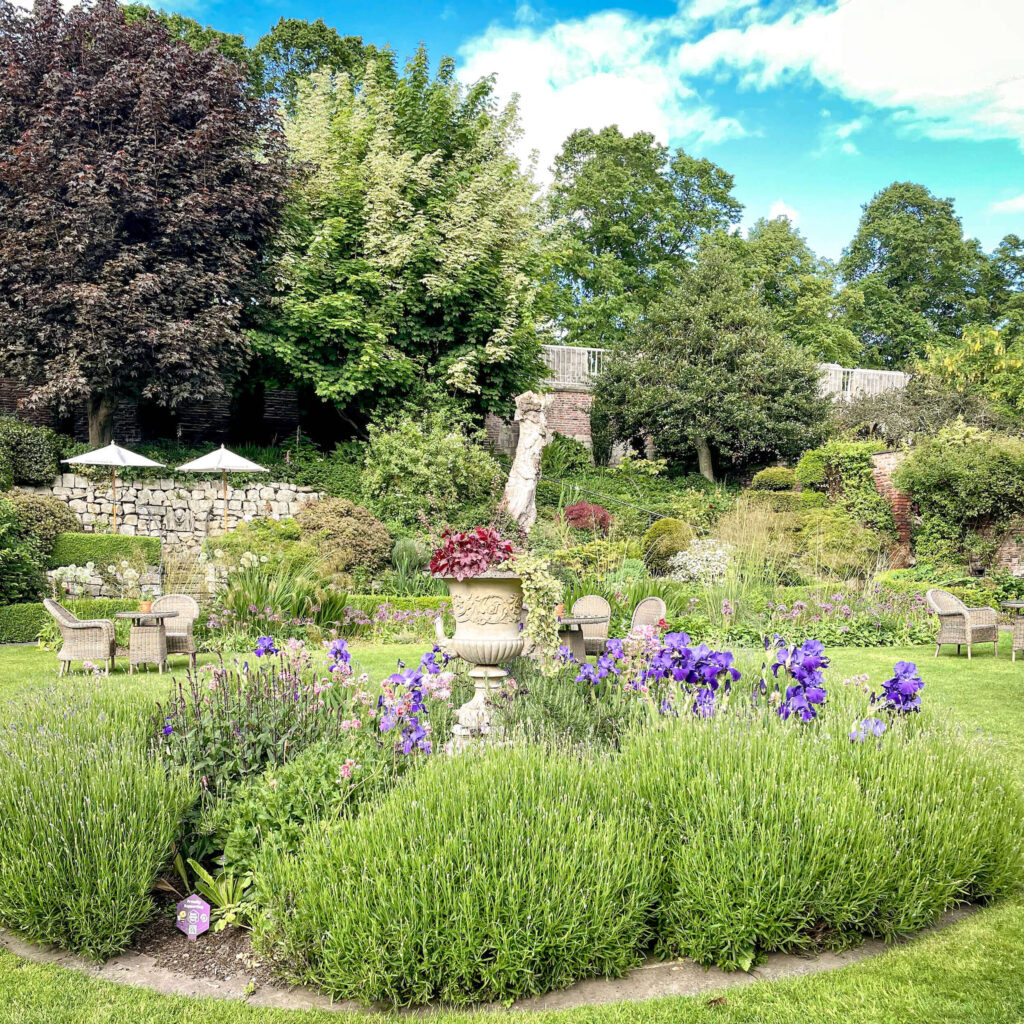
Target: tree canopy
x,y
624,217
139,184
915,276
708,376
409,252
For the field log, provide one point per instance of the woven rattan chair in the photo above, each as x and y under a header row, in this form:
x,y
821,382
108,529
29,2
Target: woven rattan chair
x,y
649,612
83,639
179,629
1018,636
961,625
595,636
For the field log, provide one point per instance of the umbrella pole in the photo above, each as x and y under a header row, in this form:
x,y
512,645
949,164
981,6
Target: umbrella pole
x,y
113,484
224,479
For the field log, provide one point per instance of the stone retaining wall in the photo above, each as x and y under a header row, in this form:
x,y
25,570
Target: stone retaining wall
x,y
182,515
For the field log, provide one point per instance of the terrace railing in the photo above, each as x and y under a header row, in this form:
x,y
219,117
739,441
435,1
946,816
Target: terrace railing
x,y
575,367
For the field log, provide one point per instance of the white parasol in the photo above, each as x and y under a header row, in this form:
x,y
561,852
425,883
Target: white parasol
x,y
222,461
113,456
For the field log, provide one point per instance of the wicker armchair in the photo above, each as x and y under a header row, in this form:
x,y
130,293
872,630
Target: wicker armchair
x,y
179,629
595,636
649,612
1018,636
83,639
961,625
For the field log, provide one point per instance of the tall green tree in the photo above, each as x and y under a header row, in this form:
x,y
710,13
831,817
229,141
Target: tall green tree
x,y
625,215
410,250
294,49
139,184
708,377
916,278
1008,287
800,291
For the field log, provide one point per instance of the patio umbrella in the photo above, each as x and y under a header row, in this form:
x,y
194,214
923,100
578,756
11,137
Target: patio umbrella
x,y
113,456
222,461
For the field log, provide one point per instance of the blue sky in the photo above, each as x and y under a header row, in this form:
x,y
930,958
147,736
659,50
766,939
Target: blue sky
x,y
813,106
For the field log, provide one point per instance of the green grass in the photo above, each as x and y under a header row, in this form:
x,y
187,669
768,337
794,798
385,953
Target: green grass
x,y
969,972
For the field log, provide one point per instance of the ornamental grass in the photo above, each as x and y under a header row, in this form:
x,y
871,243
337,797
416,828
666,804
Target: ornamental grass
x,y
87,819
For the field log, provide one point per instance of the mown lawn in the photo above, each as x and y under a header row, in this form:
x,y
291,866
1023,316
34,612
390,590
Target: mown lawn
x,y
969,972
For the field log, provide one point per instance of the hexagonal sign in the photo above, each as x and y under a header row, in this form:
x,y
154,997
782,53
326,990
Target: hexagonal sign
x,y
193,917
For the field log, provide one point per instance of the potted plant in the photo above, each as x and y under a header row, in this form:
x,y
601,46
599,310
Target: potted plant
x,y
487,604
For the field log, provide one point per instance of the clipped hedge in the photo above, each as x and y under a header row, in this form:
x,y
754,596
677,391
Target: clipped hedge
x,y
103,548
30,452
23,623
774,478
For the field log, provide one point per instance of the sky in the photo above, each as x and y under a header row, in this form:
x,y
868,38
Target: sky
x,y
813,105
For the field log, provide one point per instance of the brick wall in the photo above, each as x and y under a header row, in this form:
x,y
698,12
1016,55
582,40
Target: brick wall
x,y
883,466
569,414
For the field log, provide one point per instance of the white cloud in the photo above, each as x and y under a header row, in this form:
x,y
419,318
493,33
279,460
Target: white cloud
x,y
839,136
1014,205
781,209
943,67
609,68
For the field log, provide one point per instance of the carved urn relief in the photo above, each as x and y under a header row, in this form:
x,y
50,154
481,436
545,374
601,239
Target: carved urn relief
x,y
487,610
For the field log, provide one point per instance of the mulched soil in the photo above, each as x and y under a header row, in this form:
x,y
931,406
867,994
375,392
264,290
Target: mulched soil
x,y
219,956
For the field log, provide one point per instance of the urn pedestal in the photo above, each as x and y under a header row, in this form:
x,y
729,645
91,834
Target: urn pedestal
x,y
488,611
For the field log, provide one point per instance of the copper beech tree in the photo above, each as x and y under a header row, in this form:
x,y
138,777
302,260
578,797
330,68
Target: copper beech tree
x,y
139,183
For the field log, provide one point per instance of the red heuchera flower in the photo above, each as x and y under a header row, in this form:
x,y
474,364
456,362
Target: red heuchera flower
x,y
584,516
468,554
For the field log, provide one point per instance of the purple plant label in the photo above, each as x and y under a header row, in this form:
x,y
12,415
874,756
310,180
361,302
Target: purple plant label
x,y
193,917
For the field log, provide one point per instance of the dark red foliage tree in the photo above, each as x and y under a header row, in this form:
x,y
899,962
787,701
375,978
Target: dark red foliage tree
x,y
139,184
584,516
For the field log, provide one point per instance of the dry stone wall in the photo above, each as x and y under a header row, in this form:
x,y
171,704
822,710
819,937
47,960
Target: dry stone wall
x,y
182,515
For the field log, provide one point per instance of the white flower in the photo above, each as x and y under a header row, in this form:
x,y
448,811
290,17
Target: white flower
x,y
704,561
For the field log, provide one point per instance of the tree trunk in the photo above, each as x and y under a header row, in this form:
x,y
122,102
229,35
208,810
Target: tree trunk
x,y
100,410
707,469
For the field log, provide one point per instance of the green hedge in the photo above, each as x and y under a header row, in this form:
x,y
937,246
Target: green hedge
x,y
103,548
23,623
370,602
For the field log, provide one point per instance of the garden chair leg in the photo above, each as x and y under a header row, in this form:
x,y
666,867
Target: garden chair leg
x,y
936,654
958,648
968,652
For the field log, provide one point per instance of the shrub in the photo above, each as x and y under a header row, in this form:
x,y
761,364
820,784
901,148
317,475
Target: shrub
x,y
22,623
44,517
87,819
22,576
103,549
837,467
564,456
834,543
965,476
584,516
663,539
702,507
325,782
812,810
31,452
704,561
346,535
774,478
6,472
430,467
632,570
794,501
509,872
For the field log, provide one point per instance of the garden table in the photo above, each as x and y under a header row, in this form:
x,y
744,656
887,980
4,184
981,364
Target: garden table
x,y
148,638
570,632
1013,607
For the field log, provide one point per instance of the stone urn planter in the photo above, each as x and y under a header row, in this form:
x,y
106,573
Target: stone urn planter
x,y
488,610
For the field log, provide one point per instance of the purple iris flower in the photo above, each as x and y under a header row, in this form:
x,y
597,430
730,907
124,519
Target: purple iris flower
x,y
265,645
868,727
902,693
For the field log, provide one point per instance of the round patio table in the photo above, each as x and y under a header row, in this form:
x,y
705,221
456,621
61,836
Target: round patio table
x,y
147,643
1013,607
570,632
